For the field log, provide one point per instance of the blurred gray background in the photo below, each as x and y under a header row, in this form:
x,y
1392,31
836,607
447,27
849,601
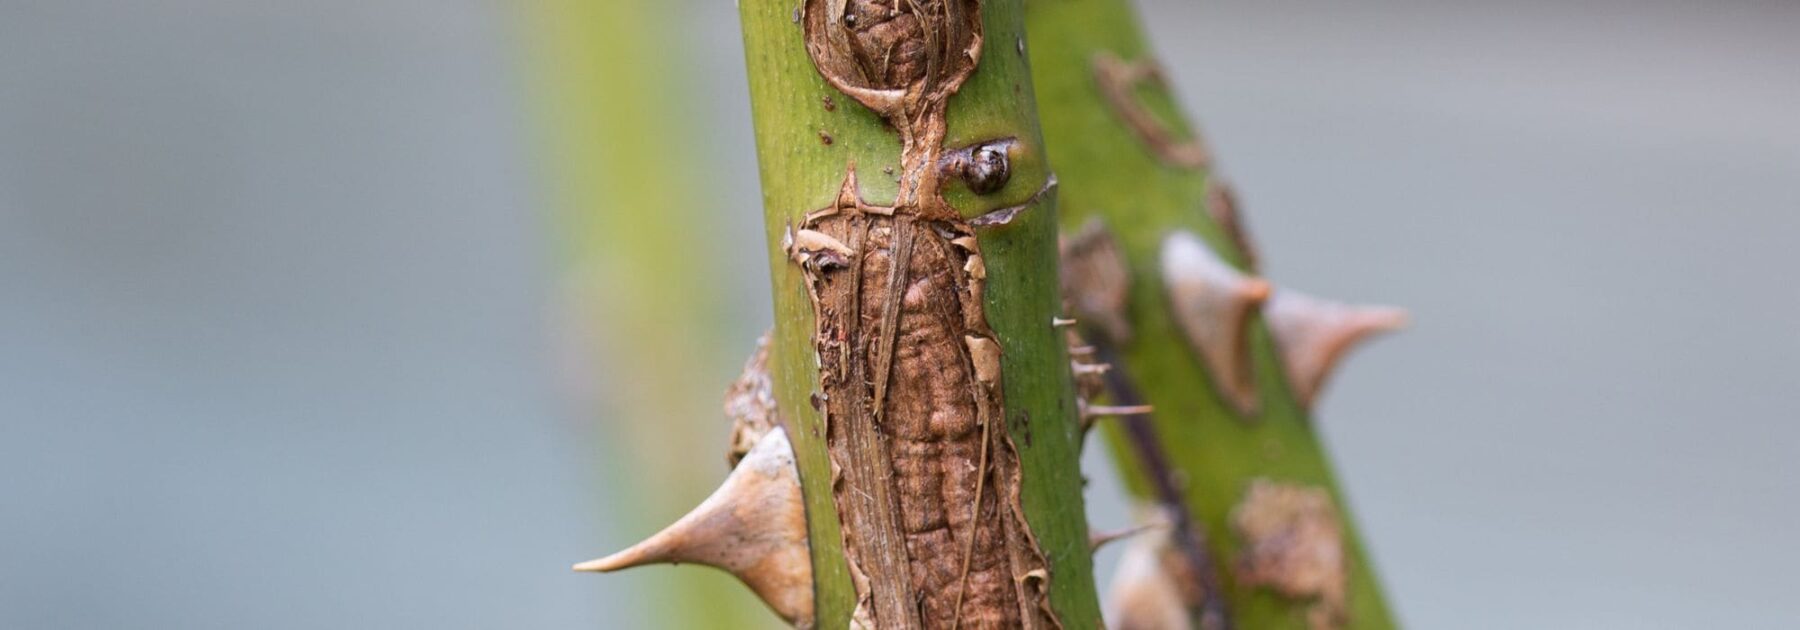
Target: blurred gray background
x,y
274,349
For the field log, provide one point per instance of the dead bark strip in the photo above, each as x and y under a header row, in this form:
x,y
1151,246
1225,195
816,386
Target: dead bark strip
x,y
925,476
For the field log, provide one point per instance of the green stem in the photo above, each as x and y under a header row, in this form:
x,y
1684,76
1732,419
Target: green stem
x,y
1108,171
619,165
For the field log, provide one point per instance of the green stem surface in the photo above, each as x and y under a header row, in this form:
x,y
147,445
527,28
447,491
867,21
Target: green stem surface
x,y
1108,172
620,166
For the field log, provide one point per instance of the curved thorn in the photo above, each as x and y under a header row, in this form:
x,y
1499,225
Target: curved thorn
x,y
1145,594
753,526
1099,539
1096,279
1314,335
1213,302
1091,414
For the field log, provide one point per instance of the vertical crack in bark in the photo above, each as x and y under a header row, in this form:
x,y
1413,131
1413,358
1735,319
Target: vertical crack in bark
x,y
926,480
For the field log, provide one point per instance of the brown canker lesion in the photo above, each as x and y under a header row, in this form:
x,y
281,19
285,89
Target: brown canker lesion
x,y
1293,544
928,478
925,474
1119,81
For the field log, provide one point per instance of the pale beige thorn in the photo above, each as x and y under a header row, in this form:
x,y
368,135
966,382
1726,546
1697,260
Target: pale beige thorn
x,y
1091,414
1315,334
1144,594
1062,322
753,526
1089,369
1118,410
848,195
1213,303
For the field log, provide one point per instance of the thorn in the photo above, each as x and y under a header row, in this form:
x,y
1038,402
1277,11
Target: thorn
x,y
1062,322
848,197
1213,302
1099,539
1096,279
750,402
753,526
1092,414
1096,411
1089,369
1314,335
1147,592
1221,203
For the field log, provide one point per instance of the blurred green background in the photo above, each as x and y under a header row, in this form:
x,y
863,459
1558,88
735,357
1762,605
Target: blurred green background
x,y
366,314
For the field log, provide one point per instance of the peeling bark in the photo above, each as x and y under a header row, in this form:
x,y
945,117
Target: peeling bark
x,y
926,479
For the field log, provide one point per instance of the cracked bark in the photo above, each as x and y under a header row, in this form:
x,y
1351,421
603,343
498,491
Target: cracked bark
x,y
927,396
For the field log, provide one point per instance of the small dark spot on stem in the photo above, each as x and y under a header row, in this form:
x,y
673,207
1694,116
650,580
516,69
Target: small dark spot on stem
x,y
987,169
824,137
830,105
1022,423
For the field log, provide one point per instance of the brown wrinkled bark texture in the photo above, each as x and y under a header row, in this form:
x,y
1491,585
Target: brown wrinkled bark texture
x,y
926,480
1294,544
